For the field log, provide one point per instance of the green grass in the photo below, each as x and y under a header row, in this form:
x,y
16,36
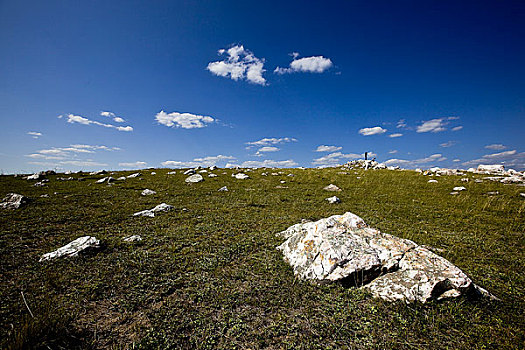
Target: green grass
x,y
207,274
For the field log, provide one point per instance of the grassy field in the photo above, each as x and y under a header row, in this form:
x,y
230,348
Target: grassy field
x,y
207,274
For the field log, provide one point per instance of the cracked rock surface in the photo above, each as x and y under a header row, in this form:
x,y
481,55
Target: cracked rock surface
x,y
343,248
73,248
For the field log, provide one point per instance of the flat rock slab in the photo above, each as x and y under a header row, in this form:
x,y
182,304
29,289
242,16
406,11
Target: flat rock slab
x,y
333,200
343,248
241,176
73,248
148,192
13,201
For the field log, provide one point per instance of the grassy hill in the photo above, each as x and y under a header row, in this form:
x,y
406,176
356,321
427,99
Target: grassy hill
x,y
207,274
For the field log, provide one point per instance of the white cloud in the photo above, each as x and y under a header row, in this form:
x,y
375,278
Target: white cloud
x,y
71,118
457,128
312,64
238,65
336,158
433,125
496,147
134,165
34,134
448,144
82,163
203,162
395,135
401,124
394,151
267,163
323,148
456,160
261,150
113,116
183,120
415,162
61,153
271,141
511,159
376,130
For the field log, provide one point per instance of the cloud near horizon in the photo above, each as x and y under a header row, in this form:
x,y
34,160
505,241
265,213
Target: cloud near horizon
x,y
203,162
264,149
336,158
268,141
312,64
416,162
240,64
71,118
183,120
133,165
510,158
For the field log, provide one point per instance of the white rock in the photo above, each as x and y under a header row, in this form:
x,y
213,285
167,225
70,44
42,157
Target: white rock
x,y
333,200
241,176
73,248
223,189
134,175
203,171
343,248
122,178
107,179
454,193
459,188
134,238
465,179
148,192
171,173
34,177
522,194
491,169
332,188
13,201
283,182
153,173
212,168
194,178
432,181
212,175
512,180
189,172
151,212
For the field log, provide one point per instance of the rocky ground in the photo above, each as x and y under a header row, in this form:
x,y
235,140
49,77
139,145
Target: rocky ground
x,y
96,261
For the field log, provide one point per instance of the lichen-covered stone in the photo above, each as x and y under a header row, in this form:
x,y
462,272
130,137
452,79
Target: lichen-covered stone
x,y
13,201
194,178
343,248
73,248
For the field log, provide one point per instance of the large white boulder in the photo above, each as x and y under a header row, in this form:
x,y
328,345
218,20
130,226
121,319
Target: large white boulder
x,y
491,168
194,178
13,201
343,248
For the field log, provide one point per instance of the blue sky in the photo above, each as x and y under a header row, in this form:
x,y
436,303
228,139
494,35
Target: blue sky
x,y
131,84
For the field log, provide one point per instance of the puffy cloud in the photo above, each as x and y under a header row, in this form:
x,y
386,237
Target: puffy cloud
x,y
271,141
448,144
34,134
395,135
496,147
376,130
183,120
238,65
312,64
134,165
204,162
336,158
267,163
457,128
433,125
511,159
416,162
323,148
261,150
71,118
82,163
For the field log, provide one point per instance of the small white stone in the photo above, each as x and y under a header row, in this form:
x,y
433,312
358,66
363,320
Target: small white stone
x,y
432,181
134,238
459,188
148,192
223,189
333,200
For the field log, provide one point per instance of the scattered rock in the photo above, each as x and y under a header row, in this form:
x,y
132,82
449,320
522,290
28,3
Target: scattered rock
x,y
465,179
189,172
108,179
39,184
171,173
203,171
73,248
522,194
13,201
151,212
333,200
223,189
153,173
148,192
134,238
332,188
283,182
100,172
491,169
454,193
212,168
37,176
194,178
240,176
44,196
212,175
133,175
492,193
478,181
432,181
279,186
343,248
459,188
122,178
